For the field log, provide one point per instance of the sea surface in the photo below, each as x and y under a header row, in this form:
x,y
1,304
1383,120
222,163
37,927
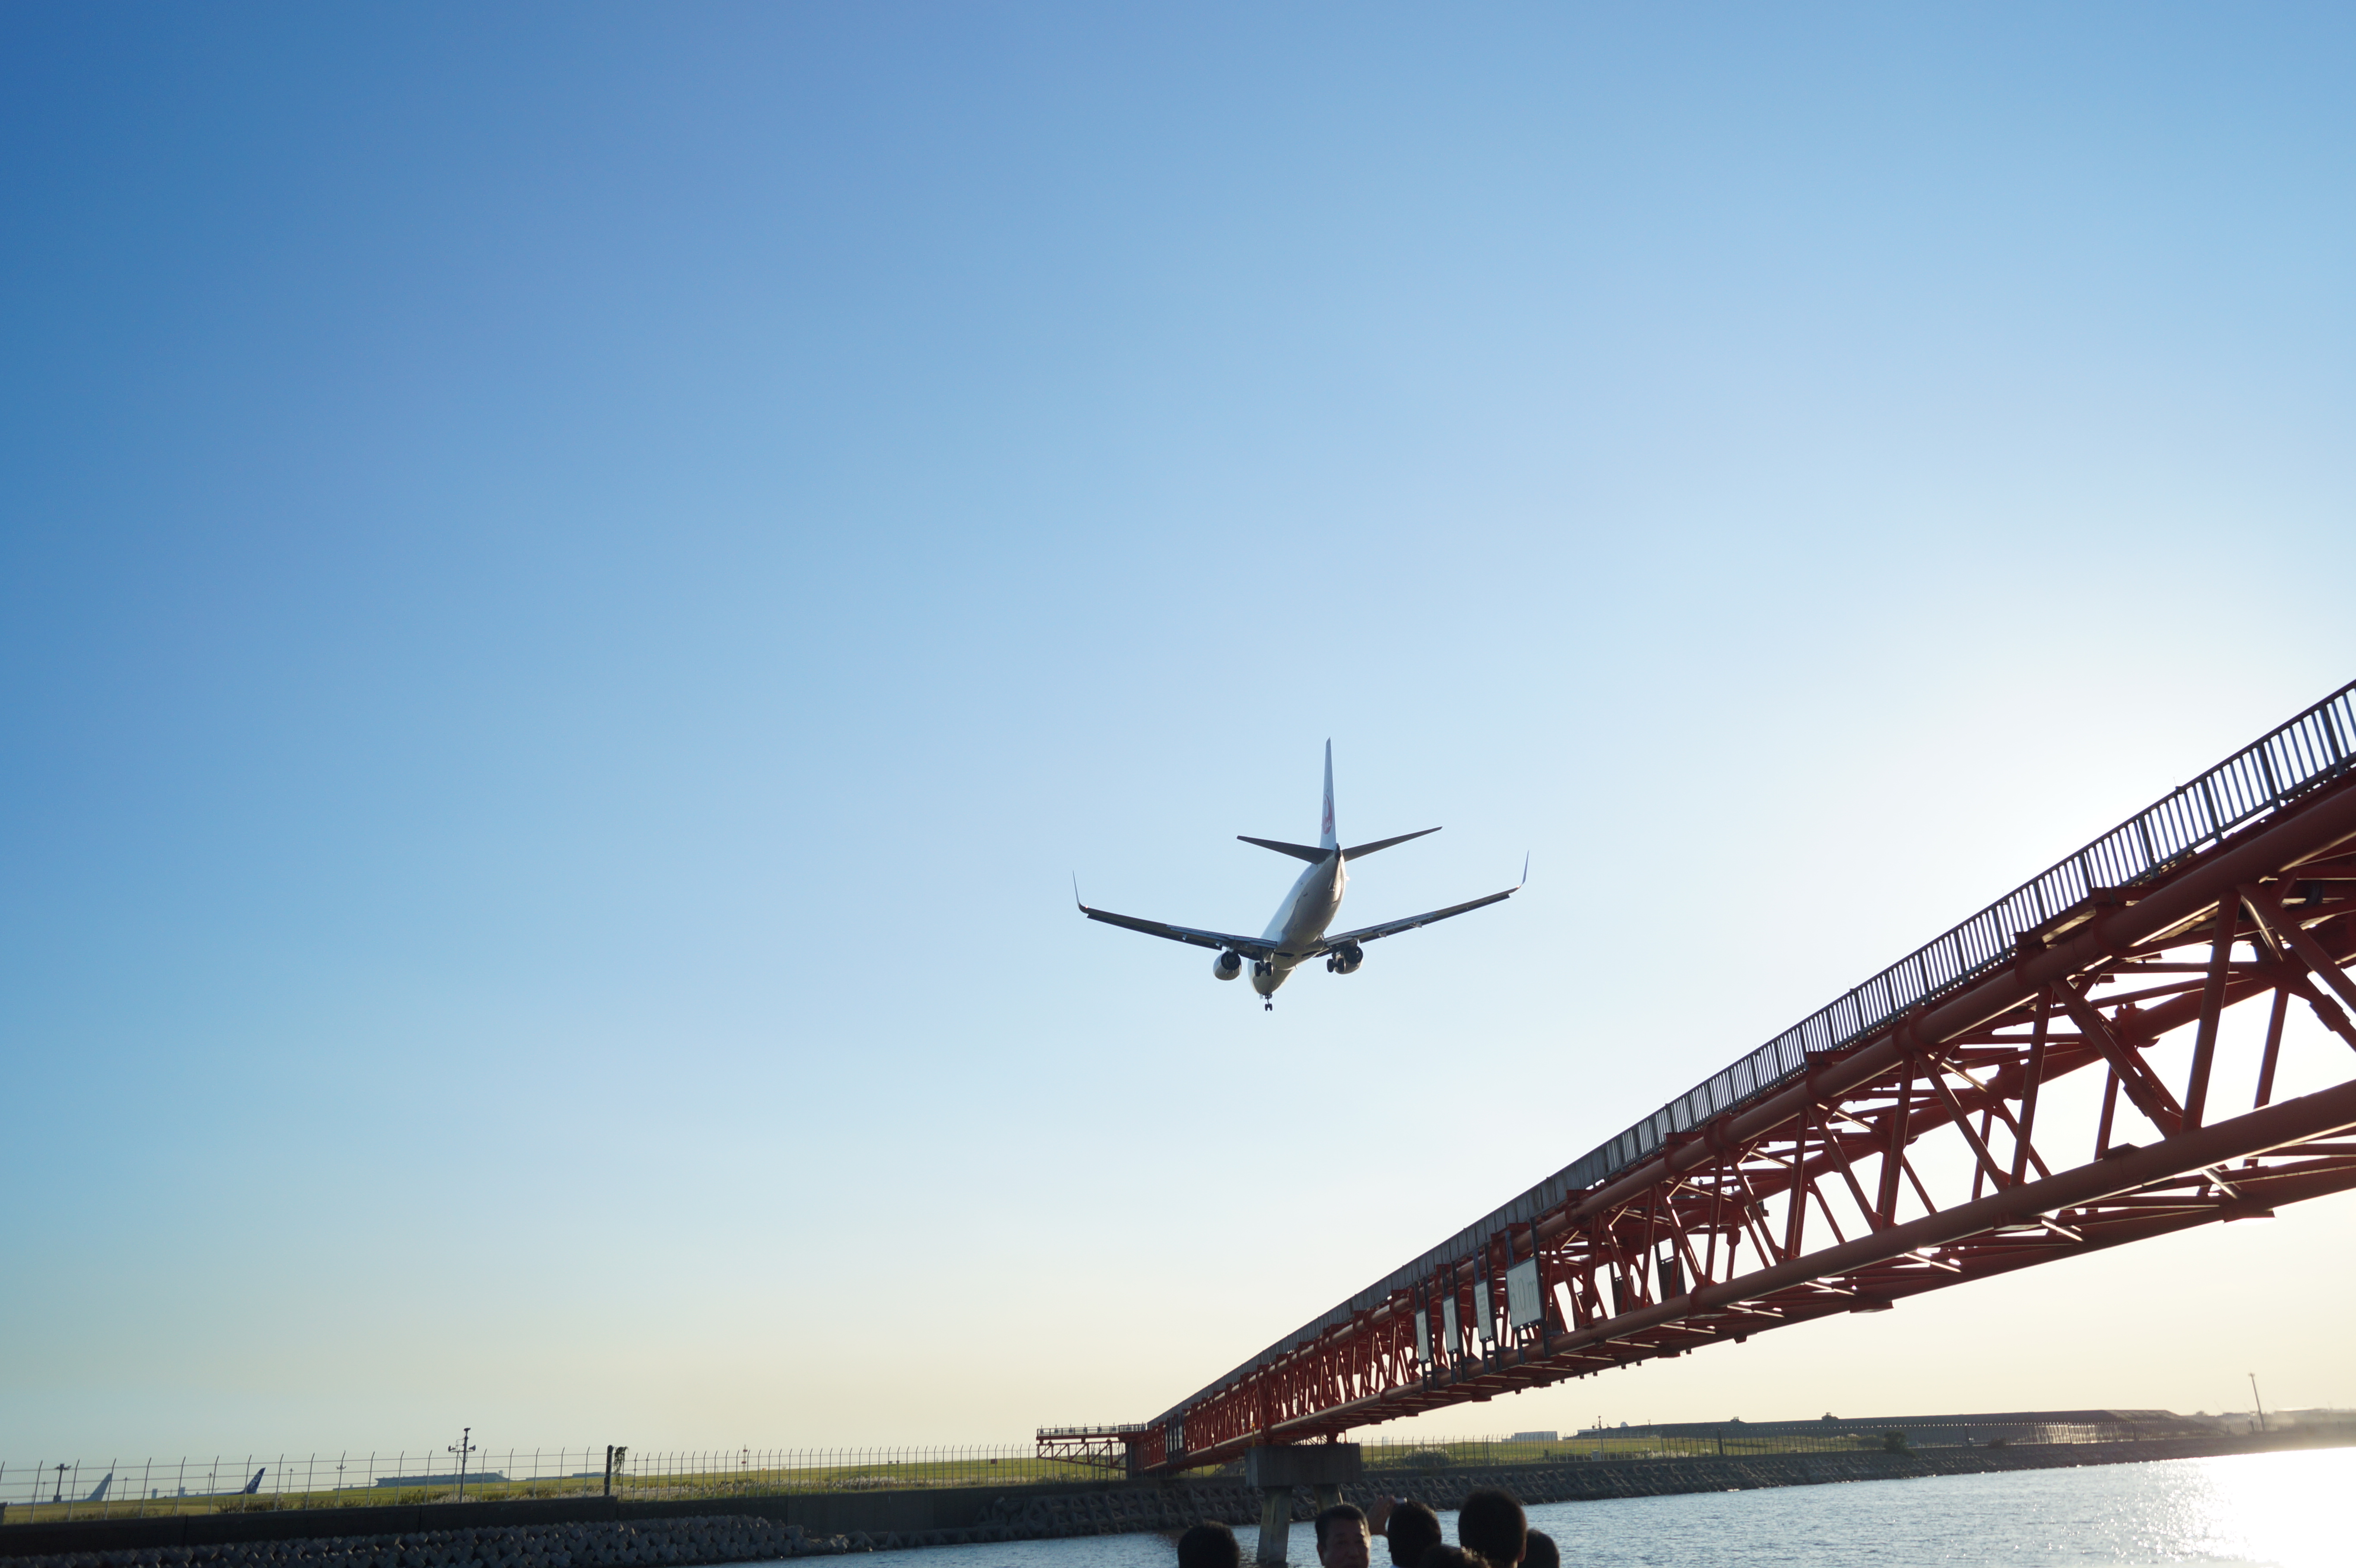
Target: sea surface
x,y
2284,1510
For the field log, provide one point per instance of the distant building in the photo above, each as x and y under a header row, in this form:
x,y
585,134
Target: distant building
x,y
1966,1430
1534,1437
450,1480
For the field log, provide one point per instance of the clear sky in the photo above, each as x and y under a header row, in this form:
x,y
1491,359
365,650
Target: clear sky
x,y
576,583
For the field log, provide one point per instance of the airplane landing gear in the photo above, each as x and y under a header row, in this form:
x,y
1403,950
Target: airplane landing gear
x,y
1261,970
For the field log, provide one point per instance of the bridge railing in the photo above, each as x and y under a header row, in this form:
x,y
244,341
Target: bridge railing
x,y
2255,782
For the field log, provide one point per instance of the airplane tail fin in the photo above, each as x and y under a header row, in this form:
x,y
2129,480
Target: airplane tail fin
x,y
1325,839
254,1484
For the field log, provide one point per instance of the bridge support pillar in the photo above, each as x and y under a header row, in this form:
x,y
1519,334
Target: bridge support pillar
x,y
1277,1470
1275,1525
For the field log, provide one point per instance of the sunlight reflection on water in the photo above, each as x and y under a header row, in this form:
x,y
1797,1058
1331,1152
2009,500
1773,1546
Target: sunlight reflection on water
x,y
2279,1511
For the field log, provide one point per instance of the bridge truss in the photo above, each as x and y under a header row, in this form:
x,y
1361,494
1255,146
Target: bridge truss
x,y
2053,1077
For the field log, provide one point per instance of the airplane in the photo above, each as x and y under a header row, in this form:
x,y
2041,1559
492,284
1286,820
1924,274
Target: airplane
x,y
98,1493
247,1490
1297,934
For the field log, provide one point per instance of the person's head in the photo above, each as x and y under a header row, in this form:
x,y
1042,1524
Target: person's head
x,y
1209,1545
1342,1537
1491,1523
1540,1552
1413,1529
1452,1557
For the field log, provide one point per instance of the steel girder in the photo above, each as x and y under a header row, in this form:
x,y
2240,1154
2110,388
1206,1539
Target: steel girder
x,y
1960,1140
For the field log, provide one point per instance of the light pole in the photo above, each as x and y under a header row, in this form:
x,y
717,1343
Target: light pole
x,y
2256,1401
463,1447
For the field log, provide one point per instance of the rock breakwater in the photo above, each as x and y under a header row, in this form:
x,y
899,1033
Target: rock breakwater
x,y
1594,1482
765,1529
652,1545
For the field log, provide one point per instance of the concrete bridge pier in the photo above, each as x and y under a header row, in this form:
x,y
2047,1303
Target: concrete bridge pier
x,y
1275,1524
1278,1470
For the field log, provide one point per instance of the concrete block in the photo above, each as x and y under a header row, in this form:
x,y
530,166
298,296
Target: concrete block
x,y
1303,1465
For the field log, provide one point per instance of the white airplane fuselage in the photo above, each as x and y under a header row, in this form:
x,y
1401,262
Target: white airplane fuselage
x,y
1301,920
1300,928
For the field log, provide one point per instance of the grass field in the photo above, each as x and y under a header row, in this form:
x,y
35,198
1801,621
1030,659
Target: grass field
x,y
308,1483
1469,1453
311,1482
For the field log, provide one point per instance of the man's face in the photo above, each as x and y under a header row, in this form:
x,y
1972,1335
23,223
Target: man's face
x,y
1345,1545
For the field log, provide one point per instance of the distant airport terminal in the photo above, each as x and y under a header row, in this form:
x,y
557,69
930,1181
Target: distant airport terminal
x,y
1940,1431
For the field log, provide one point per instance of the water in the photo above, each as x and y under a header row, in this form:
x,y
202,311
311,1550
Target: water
x,y
2281,1511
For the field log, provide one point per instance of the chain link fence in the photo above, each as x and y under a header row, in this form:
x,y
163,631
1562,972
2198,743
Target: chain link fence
x,y
55,1489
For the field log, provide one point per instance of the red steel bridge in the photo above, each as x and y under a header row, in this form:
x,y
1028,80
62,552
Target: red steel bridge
x,y
2053,1076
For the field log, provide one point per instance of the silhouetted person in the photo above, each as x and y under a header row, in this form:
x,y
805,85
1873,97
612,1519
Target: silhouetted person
x,y
1491,1523
1209,1545
1412,1527
1540,1552
1452,1557
1342,1539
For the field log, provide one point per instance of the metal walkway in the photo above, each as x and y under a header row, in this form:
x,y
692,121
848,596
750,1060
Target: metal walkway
x,y
1806,1179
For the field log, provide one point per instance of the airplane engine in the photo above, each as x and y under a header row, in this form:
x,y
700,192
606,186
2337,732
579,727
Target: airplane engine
x,y
1228,966
1345,960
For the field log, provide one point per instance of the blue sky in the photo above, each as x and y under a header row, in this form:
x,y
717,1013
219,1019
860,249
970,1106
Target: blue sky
x,y
578,581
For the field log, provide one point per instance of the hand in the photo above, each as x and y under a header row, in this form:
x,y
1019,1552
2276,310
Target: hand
x,y
1379,1514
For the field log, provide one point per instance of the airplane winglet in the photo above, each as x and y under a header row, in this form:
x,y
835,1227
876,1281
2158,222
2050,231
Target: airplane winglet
x,y
1518,886
1076,894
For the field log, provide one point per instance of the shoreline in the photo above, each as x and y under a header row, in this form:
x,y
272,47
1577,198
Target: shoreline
x,y
602,1532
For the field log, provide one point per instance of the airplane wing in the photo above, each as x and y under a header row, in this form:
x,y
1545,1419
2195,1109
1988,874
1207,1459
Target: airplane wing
x,y
1393,927
1249,946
